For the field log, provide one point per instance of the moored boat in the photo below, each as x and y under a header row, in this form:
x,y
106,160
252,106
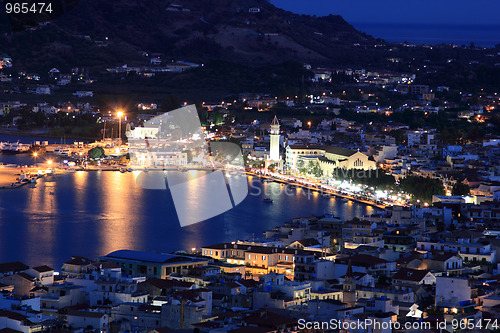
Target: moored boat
x,y
14,148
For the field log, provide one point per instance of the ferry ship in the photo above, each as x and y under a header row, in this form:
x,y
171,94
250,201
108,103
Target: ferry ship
x,y
14,148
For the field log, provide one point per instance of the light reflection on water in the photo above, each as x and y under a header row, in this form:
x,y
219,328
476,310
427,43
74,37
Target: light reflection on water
x,y
93,213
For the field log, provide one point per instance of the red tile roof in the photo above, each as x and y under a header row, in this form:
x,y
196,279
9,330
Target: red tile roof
x,y
13,267
12,315
407,274
43,269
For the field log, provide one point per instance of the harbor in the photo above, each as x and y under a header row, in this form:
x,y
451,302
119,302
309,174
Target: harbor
x,y
12,177
42,158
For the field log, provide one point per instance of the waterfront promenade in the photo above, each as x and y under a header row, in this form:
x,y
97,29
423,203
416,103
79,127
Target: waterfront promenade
x,y
320,189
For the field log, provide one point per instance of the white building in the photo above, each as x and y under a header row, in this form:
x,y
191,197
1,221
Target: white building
x,y
413,276
469,251
275,140
44,275
86,319
274,146
453,291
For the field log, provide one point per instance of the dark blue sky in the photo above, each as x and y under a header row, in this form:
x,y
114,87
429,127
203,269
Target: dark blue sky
x,y
462,12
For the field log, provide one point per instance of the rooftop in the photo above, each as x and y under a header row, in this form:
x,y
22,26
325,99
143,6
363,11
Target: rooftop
x,y
408,274
14,266
158,258
340,151
43,269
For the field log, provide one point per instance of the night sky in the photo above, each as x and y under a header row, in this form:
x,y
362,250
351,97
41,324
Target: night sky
x,y
461,12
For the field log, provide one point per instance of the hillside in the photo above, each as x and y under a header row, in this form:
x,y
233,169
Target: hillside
x,y
96,33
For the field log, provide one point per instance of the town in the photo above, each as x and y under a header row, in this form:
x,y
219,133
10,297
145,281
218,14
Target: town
x,y
404,265
391,150
426,259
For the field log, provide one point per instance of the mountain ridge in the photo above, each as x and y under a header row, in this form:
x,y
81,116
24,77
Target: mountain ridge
x,y
96,33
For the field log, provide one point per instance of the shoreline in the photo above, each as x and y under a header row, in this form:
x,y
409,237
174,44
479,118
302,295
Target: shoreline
x,y
322,191
124,169
40,134
10,177
304,186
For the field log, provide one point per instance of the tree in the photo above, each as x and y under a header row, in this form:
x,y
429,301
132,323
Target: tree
x,y
170,103
398,135
96,153
310,167
317,171
300,164
422,188
217,118
382,279
460,189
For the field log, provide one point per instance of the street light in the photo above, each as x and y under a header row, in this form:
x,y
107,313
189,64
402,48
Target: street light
x,y
120,114
35,154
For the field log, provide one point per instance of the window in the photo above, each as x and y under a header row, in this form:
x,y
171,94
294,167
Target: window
x,y
249,256
286,258
264,258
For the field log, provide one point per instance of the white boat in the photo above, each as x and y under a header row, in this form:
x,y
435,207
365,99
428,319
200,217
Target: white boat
x,y
14,148
62,151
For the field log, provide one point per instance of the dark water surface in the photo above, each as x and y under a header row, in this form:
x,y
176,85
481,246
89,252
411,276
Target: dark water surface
x,y
93,213
457,34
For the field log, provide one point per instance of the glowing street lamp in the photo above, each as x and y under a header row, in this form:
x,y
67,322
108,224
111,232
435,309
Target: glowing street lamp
x,y
35,155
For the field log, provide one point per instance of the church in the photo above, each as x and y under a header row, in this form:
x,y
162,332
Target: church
x,y
328,158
